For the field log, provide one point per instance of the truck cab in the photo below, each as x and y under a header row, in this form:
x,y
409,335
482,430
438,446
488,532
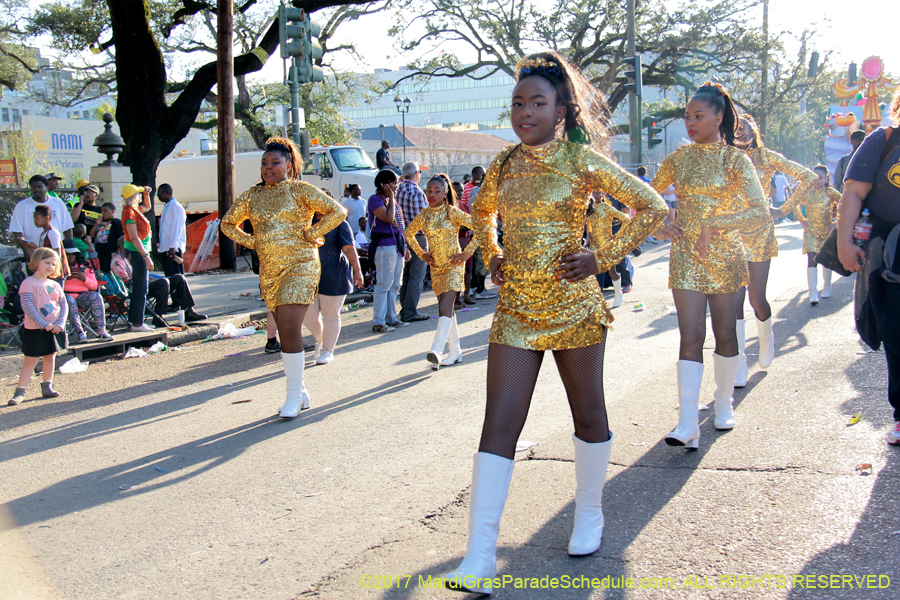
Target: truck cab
x,y
336,167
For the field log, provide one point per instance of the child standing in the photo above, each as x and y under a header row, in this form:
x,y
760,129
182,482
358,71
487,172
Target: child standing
x,y
601,220
106,232
45,310
440,222
50,237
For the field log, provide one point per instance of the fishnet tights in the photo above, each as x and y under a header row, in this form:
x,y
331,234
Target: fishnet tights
x,y
691,307
511,376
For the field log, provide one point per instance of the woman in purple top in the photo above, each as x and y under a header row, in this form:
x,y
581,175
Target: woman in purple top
x,y
387,248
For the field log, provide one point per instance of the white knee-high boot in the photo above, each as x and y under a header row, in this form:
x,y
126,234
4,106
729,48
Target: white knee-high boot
x,y
766,342
297,397
724,369
436,354
491,475
740,379
619,297
591,462
811,276
687,433
455,354
826,280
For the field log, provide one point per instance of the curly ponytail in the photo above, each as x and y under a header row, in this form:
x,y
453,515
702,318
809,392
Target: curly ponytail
x,y
289,151
585,121
716,97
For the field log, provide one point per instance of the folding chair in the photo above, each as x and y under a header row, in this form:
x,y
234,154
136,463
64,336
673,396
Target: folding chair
x,y
116,294
8,325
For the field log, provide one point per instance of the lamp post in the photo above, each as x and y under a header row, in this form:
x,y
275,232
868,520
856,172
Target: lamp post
x,y
381,127
403,108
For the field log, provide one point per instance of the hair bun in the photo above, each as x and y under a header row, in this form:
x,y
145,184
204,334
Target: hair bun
x,y
536,62
711,88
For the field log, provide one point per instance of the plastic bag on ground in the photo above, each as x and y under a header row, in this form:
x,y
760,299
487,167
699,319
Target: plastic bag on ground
x,y
73,366
228,330
135,353
157,347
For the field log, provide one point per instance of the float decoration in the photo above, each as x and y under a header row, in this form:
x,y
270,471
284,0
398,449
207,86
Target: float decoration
x,y
865,90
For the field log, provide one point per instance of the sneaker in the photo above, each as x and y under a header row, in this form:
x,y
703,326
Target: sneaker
x,y
325,357
383,328
142,328
626,289
485,295
397,324
417,317
82,338
105,336
652,239
317,352
893,437
273,347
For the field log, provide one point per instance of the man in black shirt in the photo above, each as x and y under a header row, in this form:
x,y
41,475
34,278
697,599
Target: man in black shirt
x,y
383,158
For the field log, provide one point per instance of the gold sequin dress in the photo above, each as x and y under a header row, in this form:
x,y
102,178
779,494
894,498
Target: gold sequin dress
x,y
280,214
542,197
441,227
761,243
819,209
600,224
717,186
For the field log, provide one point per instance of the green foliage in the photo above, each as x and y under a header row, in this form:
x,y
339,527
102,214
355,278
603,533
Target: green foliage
x,y
17,62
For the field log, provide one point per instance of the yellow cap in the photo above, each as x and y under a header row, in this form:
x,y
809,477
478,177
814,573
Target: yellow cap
x,y
130,190
81,183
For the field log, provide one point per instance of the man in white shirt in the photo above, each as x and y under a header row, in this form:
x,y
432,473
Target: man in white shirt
x,y
172,231
356,207
780,187
21,225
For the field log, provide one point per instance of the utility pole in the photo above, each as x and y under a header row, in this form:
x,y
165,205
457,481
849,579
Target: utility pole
x,y
225,105
764,95
634,97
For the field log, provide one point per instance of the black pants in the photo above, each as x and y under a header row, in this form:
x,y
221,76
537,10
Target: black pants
x,y
170,267
890,299
177,287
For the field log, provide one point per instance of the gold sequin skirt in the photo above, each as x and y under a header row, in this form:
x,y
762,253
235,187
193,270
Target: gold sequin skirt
x,y
552,316
723,271
816,231
448,278
761,243
289,277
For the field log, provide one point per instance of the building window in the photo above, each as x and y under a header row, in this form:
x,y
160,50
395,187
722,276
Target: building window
x,y
5,113
86,114
25,113
15,115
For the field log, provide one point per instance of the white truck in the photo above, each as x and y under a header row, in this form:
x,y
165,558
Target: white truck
x,y
332,167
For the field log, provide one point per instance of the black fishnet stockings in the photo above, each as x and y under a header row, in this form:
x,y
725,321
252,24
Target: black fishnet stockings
x,y
691,307
511,377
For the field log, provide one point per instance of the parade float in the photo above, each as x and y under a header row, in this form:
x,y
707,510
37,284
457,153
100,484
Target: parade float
x,y
860,108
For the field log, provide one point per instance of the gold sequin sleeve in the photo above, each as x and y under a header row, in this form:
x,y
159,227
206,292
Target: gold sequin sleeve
x,y
665,175
602,174
745,183
459,219
834,196
484,209
600,224
793,204
805,177
306,194
234,218
417,225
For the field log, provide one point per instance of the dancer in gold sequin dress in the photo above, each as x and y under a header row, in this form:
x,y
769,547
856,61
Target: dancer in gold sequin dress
x,y
548,297
440,222
819,203
601,218
719,200
281,212
762,246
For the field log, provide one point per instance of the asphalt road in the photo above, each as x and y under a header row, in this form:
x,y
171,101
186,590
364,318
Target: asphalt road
x,y
170,477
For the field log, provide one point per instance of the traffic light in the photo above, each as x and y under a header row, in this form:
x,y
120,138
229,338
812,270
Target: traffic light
x,y
312,51
851,74
652,132
291,30
634,75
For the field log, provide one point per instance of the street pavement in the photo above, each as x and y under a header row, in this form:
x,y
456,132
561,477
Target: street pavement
x,y
170,477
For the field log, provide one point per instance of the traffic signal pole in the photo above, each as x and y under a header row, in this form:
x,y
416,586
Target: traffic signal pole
x,y
225,106
634,97
294,87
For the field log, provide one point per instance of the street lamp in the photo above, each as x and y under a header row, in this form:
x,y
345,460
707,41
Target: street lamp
x,y
403,108
381,127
